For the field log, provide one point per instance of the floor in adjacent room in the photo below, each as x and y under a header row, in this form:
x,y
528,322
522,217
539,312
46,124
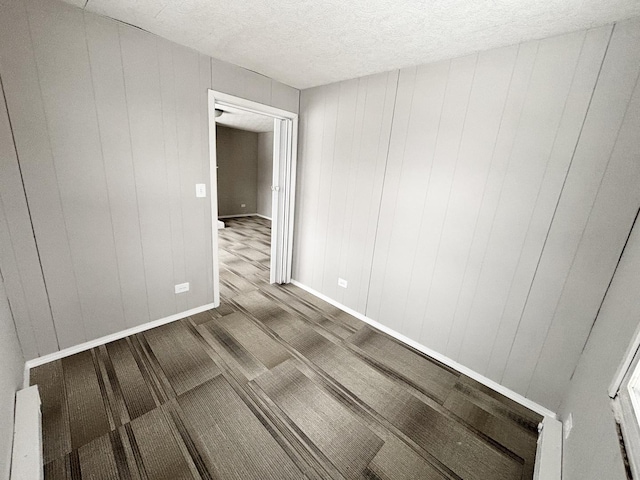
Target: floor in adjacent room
x,y
273,384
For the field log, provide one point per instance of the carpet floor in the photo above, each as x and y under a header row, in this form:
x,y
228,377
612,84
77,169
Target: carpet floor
x,y
273,384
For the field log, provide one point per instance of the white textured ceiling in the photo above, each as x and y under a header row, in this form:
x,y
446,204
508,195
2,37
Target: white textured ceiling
x,y
243,120
304,43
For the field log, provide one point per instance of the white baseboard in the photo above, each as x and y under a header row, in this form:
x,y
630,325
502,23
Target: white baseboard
x,y
245,215
27,457
239,215
548,464
530,404
65,352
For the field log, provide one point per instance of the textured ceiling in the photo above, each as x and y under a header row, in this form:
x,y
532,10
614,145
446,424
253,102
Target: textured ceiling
x,y
304,43
243,120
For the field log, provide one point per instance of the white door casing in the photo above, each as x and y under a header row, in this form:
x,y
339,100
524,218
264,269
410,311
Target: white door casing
x,y
285,147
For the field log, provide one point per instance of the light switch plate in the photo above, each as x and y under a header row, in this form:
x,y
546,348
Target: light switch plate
x,y
342,283
182,287
201,190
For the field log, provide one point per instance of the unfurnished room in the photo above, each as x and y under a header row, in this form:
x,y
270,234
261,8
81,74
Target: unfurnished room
x,y
318,239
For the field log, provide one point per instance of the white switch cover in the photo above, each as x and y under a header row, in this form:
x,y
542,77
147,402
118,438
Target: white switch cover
x,y
183,287
342,283
242,205
201,190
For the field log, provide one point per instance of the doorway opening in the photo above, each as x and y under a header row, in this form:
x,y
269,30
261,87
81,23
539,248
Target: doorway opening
x,y
248,194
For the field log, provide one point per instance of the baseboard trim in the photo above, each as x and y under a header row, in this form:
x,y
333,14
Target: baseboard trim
x,y
239,215
65,352
263,216
27,454
530,404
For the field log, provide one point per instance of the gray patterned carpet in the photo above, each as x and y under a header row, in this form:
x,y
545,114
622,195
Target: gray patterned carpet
x,y
273,384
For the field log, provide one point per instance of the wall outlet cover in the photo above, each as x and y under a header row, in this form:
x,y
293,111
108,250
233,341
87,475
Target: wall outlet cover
x,y
201,190
342,283
242,205
182,287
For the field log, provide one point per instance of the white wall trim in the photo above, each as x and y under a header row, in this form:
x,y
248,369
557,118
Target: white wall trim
x,y
625,365
263,216
530,404
548,465
27,456
65,352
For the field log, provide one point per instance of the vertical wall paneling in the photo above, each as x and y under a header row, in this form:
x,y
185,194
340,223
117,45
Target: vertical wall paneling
x,y
343,203
486,104
20,266
169,69
111,105
590,159
24,103
431,212
142,82
190,131
368,184
416,163
354,120
516,96
584,79
479,151
531,154
336,195
13,286
593,451
610,218
401,115
310,137
321,215
67,90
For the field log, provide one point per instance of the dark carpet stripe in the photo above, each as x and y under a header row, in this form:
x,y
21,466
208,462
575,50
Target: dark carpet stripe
x,y
235,443
435,380
87,413
346,442
128,381
56,432
97,460
180,356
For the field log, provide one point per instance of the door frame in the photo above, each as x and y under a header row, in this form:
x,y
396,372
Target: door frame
x,y
285,149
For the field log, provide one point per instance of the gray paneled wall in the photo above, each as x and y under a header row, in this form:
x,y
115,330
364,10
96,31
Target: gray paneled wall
x,y
471,204
592,222
110,127
237,156
592,451
265,173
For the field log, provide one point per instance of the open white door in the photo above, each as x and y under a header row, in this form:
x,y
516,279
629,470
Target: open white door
x,y
285,146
